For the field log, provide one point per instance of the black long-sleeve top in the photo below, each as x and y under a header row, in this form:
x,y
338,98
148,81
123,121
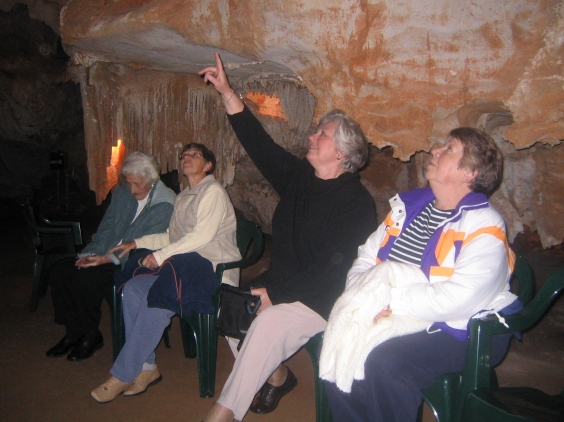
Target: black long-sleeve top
x,y
317,225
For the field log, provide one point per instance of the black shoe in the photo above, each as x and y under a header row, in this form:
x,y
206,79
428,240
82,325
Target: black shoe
x,y
267,399
86,348
61,348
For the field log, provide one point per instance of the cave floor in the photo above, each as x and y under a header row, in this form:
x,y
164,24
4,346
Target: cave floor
x,y
36,388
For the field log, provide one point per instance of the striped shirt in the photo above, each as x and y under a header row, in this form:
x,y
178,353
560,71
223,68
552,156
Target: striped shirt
x,y
411,243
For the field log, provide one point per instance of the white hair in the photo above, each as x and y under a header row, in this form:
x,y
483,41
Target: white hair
x,y
349,139
142,165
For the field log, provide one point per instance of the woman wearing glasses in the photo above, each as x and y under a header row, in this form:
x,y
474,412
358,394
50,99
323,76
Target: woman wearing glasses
x,y
200,235
324,214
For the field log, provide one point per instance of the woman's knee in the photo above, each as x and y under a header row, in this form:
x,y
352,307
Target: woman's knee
x,y
136,287
384,362
270,324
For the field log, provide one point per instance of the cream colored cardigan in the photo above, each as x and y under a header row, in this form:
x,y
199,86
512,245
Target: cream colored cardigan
x,y
203,221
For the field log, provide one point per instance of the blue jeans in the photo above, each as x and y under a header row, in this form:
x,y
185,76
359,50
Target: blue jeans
x,y
144,328
395,373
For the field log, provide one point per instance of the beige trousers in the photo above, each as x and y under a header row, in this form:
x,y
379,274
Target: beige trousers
x,y
277,333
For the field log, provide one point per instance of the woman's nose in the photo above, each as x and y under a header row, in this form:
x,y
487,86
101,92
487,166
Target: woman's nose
x,y
436,149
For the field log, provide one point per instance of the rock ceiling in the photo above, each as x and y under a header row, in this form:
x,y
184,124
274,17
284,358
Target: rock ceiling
x,y
407,70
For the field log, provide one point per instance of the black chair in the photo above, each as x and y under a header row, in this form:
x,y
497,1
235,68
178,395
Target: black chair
x,y
199,331
53,241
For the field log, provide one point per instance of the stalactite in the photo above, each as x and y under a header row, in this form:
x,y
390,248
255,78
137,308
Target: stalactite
x,y
159,112
298,103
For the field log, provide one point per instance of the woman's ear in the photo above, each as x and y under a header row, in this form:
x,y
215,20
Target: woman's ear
x,y
470,175
207,166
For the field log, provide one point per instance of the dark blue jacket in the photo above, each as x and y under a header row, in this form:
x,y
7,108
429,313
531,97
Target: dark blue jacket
x,y
186,282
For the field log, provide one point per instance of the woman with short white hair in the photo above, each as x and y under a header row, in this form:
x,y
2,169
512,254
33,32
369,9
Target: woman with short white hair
x,y
141,204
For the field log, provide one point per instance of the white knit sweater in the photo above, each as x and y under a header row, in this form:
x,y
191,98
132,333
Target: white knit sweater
x,y
351,332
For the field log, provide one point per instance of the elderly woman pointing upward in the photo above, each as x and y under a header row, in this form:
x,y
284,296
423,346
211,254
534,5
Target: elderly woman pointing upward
x,y
324,214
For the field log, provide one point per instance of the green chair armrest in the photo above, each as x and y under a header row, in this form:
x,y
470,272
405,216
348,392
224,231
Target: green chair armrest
x,y
220,268
74,225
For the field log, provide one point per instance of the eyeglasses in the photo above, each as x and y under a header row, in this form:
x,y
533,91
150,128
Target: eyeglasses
x,y
193,154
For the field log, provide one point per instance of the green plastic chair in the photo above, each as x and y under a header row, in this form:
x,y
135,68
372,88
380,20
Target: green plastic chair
x,y
199,331
322,409
442,395
477,400
53,241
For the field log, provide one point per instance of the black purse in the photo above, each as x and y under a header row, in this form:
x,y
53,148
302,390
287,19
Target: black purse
x,y
237,312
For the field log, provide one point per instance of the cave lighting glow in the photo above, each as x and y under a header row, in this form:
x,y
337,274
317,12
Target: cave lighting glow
x,y
268,105
116,160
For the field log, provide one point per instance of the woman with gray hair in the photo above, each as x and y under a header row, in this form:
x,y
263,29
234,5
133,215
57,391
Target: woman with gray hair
x,y
140,205
324,214
452,234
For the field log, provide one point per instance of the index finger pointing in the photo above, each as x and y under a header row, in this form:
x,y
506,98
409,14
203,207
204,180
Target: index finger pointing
x,y
218,61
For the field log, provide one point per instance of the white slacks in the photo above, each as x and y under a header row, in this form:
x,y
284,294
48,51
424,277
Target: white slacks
x,y
277,333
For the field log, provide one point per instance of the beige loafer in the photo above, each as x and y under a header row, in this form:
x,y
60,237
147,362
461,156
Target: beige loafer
x,y
143,381
109,390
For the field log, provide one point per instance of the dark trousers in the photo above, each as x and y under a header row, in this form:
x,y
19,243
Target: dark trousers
x,y
78,294
395,373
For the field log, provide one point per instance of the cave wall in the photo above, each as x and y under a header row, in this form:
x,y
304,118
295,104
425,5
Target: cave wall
x,y
40,108
408,71
158,112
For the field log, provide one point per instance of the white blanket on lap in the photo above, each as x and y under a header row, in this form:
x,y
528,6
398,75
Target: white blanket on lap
x,y
351,332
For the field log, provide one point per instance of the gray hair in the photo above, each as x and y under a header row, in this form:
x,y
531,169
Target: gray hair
x,y
142,165
349,139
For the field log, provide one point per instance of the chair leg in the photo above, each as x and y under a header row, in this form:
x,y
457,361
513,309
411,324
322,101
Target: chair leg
x,y
37,269
322,409
420,412
440,396
43,279
188,339
205,333
118,327
166,337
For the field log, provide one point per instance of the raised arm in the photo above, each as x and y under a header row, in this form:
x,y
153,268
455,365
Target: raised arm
x,y
217,77
274,162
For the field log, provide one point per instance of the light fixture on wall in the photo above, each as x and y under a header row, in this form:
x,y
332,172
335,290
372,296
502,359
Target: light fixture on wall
x,y
268,105
112,171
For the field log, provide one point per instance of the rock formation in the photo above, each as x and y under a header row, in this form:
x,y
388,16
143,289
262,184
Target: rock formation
x,y
408,71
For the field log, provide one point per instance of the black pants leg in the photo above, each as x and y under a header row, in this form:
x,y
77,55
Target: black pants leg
x,y
78,294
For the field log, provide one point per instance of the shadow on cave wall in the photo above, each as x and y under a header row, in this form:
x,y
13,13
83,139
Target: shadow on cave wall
x,y
42,155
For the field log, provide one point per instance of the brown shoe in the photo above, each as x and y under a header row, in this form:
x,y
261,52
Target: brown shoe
x,y
268,397
109,390
144,380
